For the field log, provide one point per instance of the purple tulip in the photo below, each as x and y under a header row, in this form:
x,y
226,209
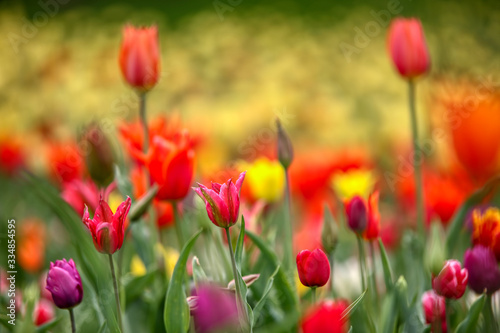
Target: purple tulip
x,y
483,270
215,310
357,214
65,284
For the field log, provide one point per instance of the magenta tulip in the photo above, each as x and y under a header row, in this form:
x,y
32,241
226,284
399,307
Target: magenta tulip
x,y
65,284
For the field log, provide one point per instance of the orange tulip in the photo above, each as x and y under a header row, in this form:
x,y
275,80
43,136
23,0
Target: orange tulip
x,y
407,47
31,245
140,57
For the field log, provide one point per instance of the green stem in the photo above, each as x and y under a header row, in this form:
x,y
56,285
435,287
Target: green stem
x,y
361,262
144,121
287,229
242,311
72,317
489,316
417,163
178,224
313,295
332,260
117,295
374,272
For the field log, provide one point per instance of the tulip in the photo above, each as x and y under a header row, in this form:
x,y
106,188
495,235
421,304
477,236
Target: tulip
x,y
43,312
373,226
222,201
31,245
407,47
214,311
140,57
100,155
285,147
65,162
357,214
326,318
313,268
65,284
434,310
12,155
484,274
171,166
266,179
452,280
486,229
107,229
78,193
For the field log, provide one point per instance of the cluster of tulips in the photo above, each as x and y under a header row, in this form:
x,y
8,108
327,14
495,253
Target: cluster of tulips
x,y
164,167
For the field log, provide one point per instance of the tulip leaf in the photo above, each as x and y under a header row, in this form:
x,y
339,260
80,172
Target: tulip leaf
x,y
238,255
352,307
176,312
289,301
141,205
48,326
457,223
122,182
135,286
386,266
469,324
260,304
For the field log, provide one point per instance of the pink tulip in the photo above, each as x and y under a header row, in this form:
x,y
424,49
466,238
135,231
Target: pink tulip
x,y
434,309
222,201
407,47
452,280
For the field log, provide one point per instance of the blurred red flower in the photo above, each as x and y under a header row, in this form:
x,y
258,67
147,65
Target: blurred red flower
x,y
65,161
31,245
325,317
11,155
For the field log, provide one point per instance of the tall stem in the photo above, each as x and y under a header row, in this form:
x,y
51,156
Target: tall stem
x,y
72,317
332,285
361,262
287,229
242,311
313,295
417,162
117,295
374,271
178,224
144,121
489,317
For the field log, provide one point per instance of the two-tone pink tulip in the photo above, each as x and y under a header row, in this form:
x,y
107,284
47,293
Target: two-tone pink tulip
x,y
222,201
452,280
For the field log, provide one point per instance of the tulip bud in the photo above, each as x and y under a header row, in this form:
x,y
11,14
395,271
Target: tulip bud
x,y
484,274
140,57
435,252
65,284
285,147
313,268
100,156
451,281
407,47
329,233
434,309
357,214
43,312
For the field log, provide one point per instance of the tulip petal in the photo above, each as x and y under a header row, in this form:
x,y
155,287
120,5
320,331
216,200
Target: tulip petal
x,y
103,213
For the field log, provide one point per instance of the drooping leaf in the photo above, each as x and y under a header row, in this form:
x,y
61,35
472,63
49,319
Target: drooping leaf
x,y
352,307
176,313
469,324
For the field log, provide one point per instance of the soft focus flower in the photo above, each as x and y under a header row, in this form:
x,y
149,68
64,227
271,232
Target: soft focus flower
x,y
486,229
326,318
451,281
222,201
265,179
99,157
285,147
31,245
353,182
373,226
171,166
140,57
215,310
43,312
78,193
107,229
137,267
168,258
65,162
357,214
407,47
313,268
434,310
11,155
65,284
484,274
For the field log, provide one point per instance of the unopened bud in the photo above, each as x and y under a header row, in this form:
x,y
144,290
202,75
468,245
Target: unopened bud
x,y
100,156
285,148
329,233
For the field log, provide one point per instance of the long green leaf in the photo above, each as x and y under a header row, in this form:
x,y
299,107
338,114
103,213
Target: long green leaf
x,y
469,324
386,266
352,307
238,255
239,279
260,304
176,313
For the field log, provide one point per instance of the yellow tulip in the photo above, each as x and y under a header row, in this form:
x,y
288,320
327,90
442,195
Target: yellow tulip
x,y
265,178
353,182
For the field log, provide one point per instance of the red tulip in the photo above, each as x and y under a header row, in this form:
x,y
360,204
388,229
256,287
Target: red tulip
x,y
65,162
407,47
357,214
107,229
452,280
43,312
140,57
325,318
222,201
313,267
373,226
78,193
434,310
171,166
